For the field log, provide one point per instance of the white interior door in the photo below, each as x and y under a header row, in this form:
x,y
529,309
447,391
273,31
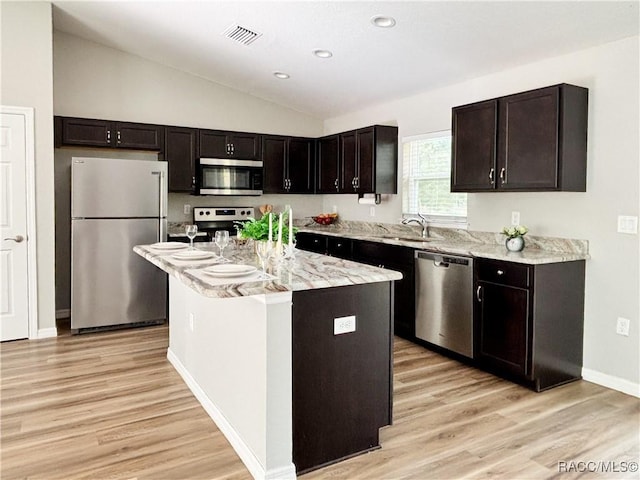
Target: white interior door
x,y
14,280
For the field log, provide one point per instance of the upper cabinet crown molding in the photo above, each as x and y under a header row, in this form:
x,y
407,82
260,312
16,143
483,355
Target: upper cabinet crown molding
x,y
530,141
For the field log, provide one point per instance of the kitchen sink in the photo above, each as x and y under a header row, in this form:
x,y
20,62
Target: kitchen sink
x,y
409,239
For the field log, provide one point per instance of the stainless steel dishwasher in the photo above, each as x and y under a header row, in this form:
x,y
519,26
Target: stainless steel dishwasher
x,y
444,301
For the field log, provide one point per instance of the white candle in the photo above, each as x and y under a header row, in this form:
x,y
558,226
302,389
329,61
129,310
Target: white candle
x,y
280,231
290,227
270,228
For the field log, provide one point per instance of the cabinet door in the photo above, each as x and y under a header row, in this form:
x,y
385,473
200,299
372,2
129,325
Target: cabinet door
x,y
328,165
473,156
349,161
502,339
529,140
274,157
339,247
311,242
213,144
301,165
404,301
365,182
139,136
87,132
180,153
245,146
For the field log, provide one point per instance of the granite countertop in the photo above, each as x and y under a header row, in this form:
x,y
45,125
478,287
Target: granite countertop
x,y
307,272
538,250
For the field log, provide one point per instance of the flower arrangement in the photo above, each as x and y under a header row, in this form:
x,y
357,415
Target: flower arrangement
x,y
515,231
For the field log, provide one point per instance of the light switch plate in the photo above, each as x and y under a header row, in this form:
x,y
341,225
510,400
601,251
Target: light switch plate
x,y
622,326
344,325
628,224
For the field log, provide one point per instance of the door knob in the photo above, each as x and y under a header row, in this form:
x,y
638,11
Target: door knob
x,y
17,238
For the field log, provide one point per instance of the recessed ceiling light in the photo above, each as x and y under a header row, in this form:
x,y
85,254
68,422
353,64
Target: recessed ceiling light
x,y
281,75
383,21
322,53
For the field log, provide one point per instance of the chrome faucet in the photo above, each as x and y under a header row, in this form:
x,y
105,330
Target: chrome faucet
x,y
423,221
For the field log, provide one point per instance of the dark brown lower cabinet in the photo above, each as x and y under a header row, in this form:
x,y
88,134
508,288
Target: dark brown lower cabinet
x,y
529,321
342,384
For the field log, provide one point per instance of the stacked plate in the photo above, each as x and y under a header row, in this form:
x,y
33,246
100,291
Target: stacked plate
x,y
169,246
229,270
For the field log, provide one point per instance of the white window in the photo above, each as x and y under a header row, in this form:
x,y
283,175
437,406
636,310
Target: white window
x,y
426,180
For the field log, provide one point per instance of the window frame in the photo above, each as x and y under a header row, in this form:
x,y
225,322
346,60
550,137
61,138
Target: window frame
x,y
447,221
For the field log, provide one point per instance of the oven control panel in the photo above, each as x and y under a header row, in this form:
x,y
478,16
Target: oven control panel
x,y
222,214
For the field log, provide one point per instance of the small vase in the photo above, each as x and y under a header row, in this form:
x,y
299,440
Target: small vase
x,y
515,244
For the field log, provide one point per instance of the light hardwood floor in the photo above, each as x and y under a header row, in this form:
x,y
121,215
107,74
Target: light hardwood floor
x,y
110,406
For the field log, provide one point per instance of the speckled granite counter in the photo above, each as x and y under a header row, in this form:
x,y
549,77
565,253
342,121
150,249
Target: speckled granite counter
x,y
538,250
308,271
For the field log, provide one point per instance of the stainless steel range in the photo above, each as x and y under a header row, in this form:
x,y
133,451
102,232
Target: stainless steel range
x,y
212,219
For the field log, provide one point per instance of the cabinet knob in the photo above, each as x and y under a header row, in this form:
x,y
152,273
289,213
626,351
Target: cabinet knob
x,y
336,183
492,176
500,272
503,175
108,136
118,137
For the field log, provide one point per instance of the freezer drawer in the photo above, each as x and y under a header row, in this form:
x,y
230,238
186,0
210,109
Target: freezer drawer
x,y
110,284
444,301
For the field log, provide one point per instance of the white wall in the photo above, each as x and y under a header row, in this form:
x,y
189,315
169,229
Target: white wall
x,y
26,66
610,72
94,81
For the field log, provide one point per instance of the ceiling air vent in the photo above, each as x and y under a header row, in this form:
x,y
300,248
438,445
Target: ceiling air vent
x,y
241,34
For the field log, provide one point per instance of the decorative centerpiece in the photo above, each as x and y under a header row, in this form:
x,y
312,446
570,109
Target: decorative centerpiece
x,y
325,218
515,240
278,232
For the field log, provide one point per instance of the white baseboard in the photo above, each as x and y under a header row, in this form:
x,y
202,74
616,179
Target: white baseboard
x,y
609,381
242,449
63,313
47,332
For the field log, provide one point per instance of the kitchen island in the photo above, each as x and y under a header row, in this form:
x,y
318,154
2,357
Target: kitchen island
x,y
296,369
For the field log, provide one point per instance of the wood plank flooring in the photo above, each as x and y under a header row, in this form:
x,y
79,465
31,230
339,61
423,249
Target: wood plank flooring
x,y
110,406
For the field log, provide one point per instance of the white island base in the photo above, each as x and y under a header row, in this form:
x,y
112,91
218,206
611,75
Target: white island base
x,y
235,356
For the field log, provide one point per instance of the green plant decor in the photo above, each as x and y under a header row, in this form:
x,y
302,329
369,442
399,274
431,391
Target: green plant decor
x,y
259,229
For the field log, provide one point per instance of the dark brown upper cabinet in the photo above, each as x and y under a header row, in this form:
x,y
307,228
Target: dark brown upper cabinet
x,y
328,165
288,164
367,161
530,141
181,153
88,132
219,144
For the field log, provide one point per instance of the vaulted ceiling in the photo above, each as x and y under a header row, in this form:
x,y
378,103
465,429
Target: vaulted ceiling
x,y
432,44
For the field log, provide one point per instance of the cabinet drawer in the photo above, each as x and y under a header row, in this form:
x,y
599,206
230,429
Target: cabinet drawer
x,y
505,273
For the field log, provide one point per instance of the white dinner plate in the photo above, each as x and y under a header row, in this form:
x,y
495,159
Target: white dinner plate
x,y
193,255
170,246
229,270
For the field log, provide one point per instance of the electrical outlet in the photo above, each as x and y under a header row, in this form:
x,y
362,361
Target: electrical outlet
x,y
372,211
191,322
515,218
627,224
344,325
186,209
334,209
622,326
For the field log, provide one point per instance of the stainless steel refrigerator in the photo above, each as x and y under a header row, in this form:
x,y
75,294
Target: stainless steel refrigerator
x,y
116,204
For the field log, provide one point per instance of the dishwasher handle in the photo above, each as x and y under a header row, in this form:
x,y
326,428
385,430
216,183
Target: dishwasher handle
x,y
441,264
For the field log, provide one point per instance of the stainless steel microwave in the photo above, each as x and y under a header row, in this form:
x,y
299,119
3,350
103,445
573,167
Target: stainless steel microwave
x,y
224,176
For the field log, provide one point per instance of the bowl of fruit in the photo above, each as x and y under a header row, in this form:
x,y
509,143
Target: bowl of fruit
x,y
325,218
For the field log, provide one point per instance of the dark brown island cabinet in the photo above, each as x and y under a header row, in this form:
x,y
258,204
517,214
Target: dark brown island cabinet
x,y
359,161
87,132
529,321
289,164
393,257
342,382
530,141
222,144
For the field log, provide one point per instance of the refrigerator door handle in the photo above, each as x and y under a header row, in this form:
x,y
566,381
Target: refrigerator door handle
x,y
161,206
